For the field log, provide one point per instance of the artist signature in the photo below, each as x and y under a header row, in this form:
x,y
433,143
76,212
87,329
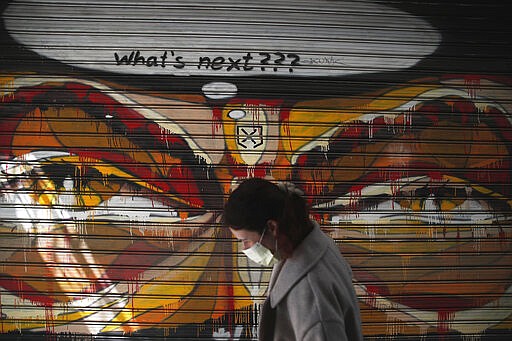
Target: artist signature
x,y
331,60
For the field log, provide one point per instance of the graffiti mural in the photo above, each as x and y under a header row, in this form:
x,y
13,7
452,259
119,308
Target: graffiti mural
x,y
111,189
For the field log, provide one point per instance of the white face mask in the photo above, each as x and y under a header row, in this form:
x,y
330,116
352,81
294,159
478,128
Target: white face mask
x,y
260,254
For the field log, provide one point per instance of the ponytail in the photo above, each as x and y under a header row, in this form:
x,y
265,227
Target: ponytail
x,y
294,220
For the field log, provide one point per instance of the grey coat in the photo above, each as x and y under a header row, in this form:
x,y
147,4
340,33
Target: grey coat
x,y
311,296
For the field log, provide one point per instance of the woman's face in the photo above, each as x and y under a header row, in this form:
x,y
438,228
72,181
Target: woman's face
x,y
248,238
245,237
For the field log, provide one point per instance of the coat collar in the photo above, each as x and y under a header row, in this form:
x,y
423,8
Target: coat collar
x,y
286,274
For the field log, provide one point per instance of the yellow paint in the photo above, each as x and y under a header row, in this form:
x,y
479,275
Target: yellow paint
x,y
60,319
313,119
169,290
6,86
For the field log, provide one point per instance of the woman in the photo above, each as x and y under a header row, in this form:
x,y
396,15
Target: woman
x,y
310,296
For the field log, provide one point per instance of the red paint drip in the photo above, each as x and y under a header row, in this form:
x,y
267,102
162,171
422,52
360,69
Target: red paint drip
x,y
25,291
355,194
216,120
373,292
435,176
49,319
240,170
472,84
444,320
285,123
1,316
498,79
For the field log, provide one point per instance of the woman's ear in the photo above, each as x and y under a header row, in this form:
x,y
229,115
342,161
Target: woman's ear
x,y
273,227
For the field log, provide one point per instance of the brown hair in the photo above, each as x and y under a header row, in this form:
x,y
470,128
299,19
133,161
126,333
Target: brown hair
x,y
256,201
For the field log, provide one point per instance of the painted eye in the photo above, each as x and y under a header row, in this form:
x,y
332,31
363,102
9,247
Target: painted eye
x,y
427,198
419,201
95,191
237,114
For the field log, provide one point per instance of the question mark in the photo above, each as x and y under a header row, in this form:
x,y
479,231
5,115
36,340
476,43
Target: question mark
x,y
295,61
278,61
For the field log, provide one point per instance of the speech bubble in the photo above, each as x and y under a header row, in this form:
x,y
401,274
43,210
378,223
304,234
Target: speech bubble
x,y
223,38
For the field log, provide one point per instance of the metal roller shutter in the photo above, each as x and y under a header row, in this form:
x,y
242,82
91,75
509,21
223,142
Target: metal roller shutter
x,y
126,124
